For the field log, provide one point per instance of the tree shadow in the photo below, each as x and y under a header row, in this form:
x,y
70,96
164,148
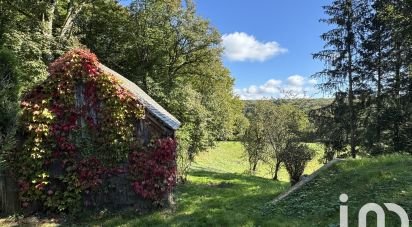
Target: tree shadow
x,y
222,199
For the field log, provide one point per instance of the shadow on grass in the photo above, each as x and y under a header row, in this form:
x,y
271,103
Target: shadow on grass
x,y
209,198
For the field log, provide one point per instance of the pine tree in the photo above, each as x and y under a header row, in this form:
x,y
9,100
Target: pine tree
x,y
340,56
373,66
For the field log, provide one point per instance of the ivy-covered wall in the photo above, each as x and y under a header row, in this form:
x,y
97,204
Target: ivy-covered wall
x,y
81,131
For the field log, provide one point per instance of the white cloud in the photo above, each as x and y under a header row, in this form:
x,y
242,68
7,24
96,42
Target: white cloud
x,y
296,87
240,46
296,81
271,86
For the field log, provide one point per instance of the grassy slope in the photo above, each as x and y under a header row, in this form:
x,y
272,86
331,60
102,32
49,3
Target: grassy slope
x,y
221,198
229,157
217,194
382,180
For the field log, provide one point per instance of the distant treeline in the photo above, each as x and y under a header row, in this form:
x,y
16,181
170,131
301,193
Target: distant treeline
x,y
306,105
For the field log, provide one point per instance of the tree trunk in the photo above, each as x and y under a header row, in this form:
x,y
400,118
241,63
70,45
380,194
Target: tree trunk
x,y
72,13
396,134
254,166
349,42
48,19
277,167
379,93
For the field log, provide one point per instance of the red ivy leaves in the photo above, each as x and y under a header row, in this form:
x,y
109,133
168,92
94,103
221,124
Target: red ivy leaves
x,y
52,116
68,64
90,172
155,170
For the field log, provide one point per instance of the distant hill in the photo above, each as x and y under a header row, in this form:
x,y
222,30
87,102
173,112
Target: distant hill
x,y
303,104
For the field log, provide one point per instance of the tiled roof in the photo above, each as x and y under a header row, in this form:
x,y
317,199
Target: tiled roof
x,y
151,105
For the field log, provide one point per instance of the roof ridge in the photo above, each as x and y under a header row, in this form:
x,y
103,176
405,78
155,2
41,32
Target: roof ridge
x,y
152,106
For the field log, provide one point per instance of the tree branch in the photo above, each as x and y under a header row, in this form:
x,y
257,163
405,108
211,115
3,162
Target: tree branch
x,y
21,11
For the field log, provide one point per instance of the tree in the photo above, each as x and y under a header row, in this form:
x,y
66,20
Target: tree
x,y
396,15
39,31
174,55
9,91
368,64
254,139
271,129
332,127
163,46
295,158
384,65
284,124
340,56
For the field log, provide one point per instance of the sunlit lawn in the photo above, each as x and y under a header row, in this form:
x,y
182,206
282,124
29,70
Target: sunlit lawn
x,y
229,157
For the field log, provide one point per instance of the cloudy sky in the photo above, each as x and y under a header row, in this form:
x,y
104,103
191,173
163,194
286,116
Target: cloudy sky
x,y
268,44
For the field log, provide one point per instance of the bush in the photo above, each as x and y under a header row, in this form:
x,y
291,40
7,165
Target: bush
x,y
295,158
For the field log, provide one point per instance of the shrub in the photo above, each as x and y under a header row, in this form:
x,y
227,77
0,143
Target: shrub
x,y
295,158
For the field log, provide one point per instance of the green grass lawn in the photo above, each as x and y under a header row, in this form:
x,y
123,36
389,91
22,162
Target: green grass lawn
x,y
386,179
230,157
218,193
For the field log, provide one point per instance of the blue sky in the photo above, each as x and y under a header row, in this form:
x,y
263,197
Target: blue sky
x,y
268,43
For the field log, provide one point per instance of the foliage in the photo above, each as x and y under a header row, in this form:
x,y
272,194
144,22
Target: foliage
x,y
9,91
305,104
285,124
163,46
272,128
295,158
184,159
254,139
368,59
332,128
175,56
71,145
37,32
154,171
229,157
340,57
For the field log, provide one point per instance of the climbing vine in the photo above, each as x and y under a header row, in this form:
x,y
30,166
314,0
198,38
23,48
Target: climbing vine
x,y
154,171
80,127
